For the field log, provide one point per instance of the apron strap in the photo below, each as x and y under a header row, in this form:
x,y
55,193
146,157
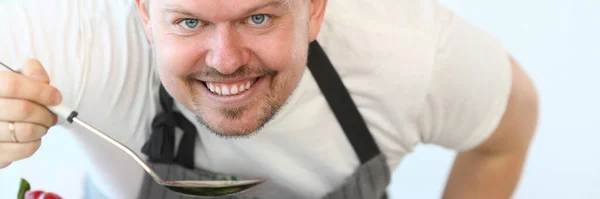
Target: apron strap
x,y
341,104
161,145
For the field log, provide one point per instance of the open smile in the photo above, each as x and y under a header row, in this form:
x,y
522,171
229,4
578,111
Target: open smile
x,y
226,89
231,92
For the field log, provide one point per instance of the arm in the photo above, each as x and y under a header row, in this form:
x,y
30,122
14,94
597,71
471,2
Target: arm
x,y
480,104
493,168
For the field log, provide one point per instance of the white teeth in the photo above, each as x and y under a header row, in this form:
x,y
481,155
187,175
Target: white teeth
x,y
225,89
234,90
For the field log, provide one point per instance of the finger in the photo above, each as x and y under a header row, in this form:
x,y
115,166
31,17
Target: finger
x,y
5,164
23,132
33,69
15,110
13,85
18,151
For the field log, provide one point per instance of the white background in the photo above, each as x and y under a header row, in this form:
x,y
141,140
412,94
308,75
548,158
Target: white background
x,y
558,44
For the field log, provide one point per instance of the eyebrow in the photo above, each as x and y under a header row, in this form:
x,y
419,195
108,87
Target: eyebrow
x,y
181,10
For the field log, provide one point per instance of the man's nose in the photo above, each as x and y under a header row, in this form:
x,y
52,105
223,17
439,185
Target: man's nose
x,y
226,52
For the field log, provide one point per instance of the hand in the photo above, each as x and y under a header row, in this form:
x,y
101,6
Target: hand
x,y
24,118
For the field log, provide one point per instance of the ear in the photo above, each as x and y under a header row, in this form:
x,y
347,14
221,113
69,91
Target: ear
x,y
316,15
142,6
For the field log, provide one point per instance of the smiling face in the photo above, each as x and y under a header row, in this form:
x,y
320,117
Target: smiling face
x,y
233,63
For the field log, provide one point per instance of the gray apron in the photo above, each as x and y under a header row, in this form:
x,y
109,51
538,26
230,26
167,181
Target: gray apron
x,y
369,181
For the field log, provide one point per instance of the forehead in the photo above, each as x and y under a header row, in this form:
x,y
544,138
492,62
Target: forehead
x,y
218,10
221,4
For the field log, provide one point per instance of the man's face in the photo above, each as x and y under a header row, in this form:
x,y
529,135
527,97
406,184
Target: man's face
x,y
232,62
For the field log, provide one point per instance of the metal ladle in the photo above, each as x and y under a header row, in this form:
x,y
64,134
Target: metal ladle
x,y
210,188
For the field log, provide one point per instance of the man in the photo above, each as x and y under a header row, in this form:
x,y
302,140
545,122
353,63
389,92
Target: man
x,y
252,76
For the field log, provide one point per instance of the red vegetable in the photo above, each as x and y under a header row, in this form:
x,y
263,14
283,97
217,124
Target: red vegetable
x,y
49,195
33,194
26,193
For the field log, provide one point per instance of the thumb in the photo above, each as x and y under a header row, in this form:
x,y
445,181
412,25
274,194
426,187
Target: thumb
x,y
32,68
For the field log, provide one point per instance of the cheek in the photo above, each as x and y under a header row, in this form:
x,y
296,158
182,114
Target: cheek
x,y
285,54
176,56
279,51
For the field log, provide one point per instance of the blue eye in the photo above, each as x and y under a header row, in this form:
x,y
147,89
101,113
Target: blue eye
x,y
258,19
189,23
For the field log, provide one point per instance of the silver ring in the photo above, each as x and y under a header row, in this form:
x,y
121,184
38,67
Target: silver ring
x,y
11,129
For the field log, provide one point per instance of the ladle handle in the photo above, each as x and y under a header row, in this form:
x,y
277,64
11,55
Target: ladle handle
x,y
63,111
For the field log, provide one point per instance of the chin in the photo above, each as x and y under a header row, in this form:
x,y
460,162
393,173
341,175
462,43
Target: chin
x,y
236,123
238,115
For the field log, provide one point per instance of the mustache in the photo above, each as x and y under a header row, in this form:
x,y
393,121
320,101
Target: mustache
x,y
210,73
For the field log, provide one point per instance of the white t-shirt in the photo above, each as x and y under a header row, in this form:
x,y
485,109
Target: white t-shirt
x,y
418,74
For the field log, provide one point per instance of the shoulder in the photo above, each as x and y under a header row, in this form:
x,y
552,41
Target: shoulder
x,y
385,36
385,53
430,73
99,44
379,39
117,59
385,49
